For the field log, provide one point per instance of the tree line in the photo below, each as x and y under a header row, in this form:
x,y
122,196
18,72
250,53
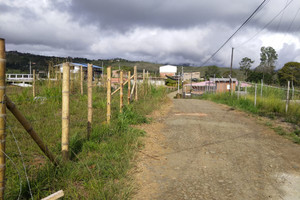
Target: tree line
x,y
264,71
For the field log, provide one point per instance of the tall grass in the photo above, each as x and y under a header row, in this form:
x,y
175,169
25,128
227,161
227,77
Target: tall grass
x,y
98,167
271,105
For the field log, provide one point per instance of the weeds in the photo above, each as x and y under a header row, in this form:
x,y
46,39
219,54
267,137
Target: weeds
x,y
98,167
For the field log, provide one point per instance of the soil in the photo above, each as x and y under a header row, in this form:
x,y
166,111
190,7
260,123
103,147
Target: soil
x,y
196,149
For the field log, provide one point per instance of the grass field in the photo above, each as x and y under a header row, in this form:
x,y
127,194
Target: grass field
x,y
98,167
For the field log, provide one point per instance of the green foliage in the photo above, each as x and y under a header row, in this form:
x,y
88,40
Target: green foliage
x,y
268,58
170,82
256,77
98,168
212,71
227,74
245,65
290,72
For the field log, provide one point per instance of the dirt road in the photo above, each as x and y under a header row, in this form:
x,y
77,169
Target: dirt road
x,y
201,150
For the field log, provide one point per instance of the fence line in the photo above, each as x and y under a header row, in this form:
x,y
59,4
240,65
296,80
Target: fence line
x,y
68,85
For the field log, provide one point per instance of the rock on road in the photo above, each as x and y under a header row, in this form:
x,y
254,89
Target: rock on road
x,y
197,149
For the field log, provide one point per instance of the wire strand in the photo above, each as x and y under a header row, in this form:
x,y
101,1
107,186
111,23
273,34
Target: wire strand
x,y
15,166
245,22
22,159
265,25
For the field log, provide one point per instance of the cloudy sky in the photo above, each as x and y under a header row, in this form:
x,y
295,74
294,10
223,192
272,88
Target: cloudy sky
x,y
163,31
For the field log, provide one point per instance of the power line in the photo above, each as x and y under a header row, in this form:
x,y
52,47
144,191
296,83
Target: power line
x,y
281,17
290,26
245,22
265,25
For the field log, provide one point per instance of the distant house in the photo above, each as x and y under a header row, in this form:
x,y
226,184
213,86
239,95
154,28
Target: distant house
x,y
168,70
75,67
223,84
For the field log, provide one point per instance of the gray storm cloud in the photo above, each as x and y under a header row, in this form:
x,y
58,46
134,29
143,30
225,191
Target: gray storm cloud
x,y
172,31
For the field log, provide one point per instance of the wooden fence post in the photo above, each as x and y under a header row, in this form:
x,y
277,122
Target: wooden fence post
x,y
239,89
293,90
287,98
143,76
72,77
56,75
33,83
148,77
246,90
108,113
2,117
90,98
121,91
135,83
129,87
81,80
27,126
261,87
255,95
65,111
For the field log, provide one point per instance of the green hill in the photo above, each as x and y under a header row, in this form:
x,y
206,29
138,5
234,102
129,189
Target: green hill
x,y
19,63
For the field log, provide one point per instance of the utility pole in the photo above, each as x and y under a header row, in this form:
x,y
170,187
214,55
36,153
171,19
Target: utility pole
x,y
231,69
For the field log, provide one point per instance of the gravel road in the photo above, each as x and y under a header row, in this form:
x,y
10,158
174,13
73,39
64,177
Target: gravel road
x,y
197,149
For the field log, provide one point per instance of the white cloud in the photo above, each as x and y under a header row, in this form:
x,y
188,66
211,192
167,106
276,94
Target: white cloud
x,y
160,31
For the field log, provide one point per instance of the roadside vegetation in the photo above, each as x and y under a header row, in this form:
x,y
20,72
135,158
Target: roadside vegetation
x,y
271,105
98,167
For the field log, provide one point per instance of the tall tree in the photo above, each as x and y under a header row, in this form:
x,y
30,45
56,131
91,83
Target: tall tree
x,y
245,65
290,72
212,71
268,58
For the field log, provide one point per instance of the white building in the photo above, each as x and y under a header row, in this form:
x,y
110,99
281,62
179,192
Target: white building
x,y
169,70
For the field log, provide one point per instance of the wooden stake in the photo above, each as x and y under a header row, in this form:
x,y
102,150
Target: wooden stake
x,y
55,195
90,97
121,91
56,76
108,113
246,90
81,80
255,95
2,117
65,111
135,83
72,77
27,126
261,87
287,98
239,90
129,87
33,83
143,75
